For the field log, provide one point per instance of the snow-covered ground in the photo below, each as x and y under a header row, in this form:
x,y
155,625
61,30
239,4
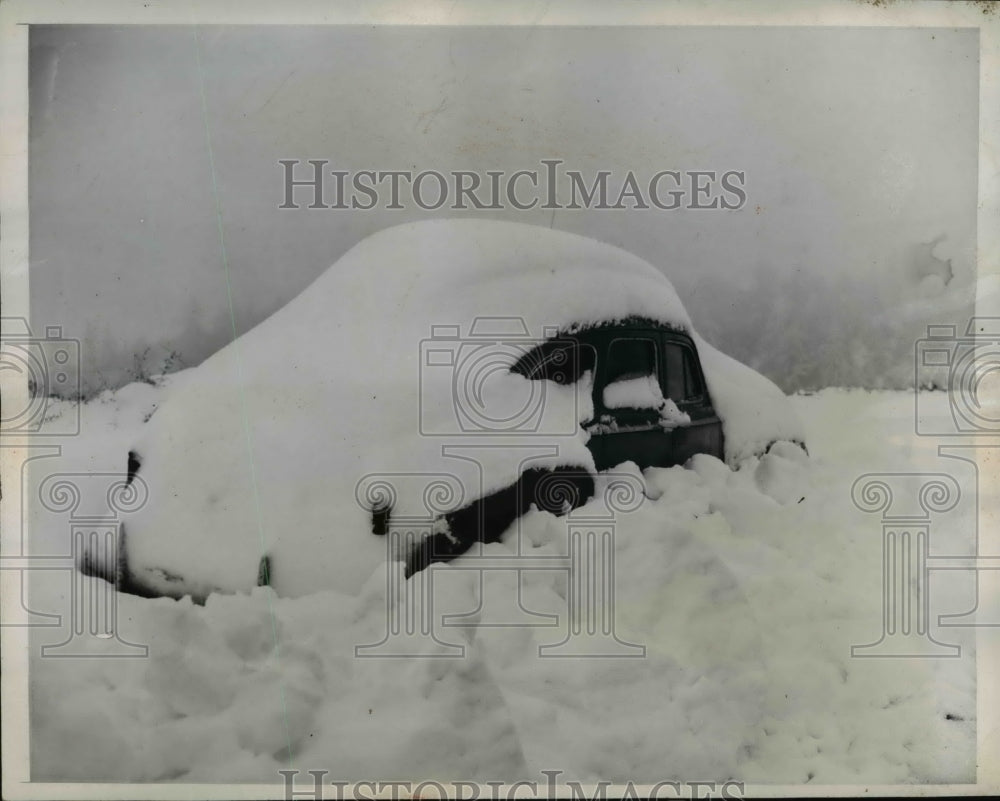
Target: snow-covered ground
x,y
747,589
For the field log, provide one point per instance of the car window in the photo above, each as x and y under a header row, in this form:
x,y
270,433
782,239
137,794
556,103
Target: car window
x,y
683,381
630,357
562,361
631,377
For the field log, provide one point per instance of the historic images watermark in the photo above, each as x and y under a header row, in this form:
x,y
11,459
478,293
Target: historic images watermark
x,y
467,361
317,786
84,506
452,513
314,184
966,367
48,366
586,560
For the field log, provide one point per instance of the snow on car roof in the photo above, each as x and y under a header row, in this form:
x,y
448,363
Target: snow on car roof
x,y
546,277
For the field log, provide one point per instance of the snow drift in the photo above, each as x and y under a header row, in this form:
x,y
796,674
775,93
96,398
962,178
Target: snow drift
x,y
748,588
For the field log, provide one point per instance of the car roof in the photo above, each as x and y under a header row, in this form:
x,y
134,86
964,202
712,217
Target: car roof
x,y
491,267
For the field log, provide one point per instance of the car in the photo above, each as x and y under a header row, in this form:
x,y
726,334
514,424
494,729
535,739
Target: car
x,y
455,372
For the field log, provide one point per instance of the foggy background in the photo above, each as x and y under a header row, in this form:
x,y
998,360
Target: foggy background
x,y
859,148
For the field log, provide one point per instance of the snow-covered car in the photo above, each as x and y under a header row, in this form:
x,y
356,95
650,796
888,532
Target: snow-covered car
x,y
457,369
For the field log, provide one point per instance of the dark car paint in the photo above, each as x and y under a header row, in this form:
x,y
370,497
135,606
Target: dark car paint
x,y
636,435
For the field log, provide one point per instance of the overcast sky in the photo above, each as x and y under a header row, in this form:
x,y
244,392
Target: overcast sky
x,y
859,148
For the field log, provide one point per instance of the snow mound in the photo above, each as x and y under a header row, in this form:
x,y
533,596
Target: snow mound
x,y
272,446
747,608
754,411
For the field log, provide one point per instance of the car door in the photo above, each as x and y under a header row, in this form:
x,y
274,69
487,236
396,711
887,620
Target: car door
x,y
684,384
628,399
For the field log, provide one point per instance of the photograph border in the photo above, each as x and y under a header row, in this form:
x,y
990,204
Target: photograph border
x,y
16,16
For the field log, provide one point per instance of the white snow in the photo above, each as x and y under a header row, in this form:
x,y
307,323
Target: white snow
x,y
641,392
753,409
746,586
671,416
261,448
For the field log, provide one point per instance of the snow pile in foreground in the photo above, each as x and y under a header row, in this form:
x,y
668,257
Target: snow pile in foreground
x,y
405,341
747,589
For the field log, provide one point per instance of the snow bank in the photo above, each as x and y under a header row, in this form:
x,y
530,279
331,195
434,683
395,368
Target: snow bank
x,y
747,588
754,411
402,347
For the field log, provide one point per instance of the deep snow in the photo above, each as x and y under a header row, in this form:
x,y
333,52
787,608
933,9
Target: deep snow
x,y
746,587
